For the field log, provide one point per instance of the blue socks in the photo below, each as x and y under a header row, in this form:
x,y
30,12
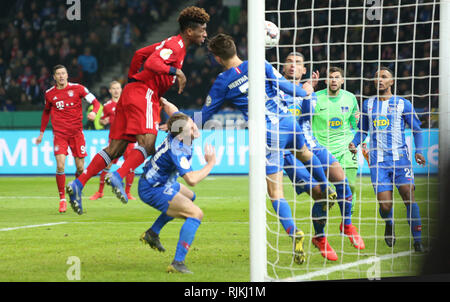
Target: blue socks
x,y
387,216
284,213
413,217
187,234
319,218
160,222
344,196
314,165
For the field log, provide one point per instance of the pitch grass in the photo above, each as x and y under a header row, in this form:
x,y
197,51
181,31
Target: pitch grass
x,y
106,237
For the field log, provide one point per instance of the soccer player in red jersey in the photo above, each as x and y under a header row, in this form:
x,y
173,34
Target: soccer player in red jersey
x,y
63,103
109,113
153,70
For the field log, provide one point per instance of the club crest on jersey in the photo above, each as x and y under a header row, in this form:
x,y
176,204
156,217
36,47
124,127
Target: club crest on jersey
x,y
70,93
295,110
344,109
335,123
381,122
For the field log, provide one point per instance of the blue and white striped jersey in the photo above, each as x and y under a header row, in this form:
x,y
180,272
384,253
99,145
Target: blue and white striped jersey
x,y
172,159
232,85
303,110
385,121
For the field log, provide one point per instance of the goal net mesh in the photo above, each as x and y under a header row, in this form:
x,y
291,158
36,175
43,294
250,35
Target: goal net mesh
x,y
360,36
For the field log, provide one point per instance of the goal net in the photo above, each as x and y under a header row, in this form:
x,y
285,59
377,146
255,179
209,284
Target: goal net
x,y
360,37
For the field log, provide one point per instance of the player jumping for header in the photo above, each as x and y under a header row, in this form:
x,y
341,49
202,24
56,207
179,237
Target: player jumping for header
x,y
138,110
385,117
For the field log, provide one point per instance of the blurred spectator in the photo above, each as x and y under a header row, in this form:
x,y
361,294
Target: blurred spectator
x,y
89,65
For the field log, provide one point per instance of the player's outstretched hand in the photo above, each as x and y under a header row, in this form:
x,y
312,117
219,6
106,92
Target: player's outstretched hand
x,y
39,138
315,78
91,116
352,148
308,88
420,159
181,79
210,154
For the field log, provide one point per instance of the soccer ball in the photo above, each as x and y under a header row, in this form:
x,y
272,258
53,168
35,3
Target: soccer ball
x,y
272,34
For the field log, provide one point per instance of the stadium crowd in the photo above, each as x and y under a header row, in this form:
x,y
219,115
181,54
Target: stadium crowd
x,y
38,36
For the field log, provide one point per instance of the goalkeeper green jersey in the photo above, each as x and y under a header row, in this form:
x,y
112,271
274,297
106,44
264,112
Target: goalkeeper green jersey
x,y
333,120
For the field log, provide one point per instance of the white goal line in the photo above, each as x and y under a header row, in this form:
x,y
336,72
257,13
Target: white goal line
x,y
327,271
31,226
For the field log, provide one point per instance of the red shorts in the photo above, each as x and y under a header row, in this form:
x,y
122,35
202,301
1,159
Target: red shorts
x,y
77,145
137,112
125,154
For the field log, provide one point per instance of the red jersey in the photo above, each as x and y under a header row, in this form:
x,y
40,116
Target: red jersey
x,y
65,108
159,62
109,110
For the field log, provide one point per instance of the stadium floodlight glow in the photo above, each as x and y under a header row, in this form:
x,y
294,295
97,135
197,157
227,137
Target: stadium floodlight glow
x,y
257,140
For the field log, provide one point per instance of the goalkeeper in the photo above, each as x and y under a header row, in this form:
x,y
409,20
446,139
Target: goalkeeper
x,y
336,114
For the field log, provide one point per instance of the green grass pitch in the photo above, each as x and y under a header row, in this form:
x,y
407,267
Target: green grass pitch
x,y
106,237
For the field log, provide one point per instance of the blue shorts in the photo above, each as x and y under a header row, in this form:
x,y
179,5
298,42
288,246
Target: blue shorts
x,y
325,157
385,174
300,177
157,197
286,134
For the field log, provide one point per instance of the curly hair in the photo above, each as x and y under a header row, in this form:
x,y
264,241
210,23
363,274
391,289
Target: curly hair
x,y
191,17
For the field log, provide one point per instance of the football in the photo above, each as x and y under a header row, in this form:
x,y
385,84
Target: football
x,y
272,34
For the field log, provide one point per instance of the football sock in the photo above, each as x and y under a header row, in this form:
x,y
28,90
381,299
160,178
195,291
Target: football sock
x,y
160,222
284,213
413,217
100,161
314,165
129,181
193,197
134,159
61,184
344,196
187,234
387,216
102,180
319,217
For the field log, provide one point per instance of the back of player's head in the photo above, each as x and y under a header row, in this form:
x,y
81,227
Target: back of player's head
x,y
334,69
192,17
177,123
222,45
59,66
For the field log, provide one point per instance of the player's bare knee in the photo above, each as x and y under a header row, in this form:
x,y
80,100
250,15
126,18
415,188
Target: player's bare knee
x,y
316,193
386,206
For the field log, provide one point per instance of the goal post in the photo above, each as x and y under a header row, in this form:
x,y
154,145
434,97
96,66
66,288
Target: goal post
x,y
257,141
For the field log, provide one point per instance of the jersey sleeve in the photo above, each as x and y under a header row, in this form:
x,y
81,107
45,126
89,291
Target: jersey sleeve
x,y
308,107
181,162
363,126
282,83
90,98
139,58
45,114
355,115
161,60
214,100
411,118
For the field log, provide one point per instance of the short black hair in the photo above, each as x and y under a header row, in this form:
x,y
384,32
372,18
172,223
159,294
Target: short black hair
x,y
59,66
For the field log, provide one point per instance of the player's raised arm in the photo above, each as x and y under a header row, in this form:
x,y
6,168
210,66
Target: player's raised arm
x,y
362,133
194,177
287,86
214,100
139,58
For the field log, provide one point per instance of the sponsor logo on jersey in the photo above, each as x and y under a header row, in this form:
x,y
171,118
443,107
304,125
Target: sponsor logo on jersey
x,y
335,123
296,110
381,122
